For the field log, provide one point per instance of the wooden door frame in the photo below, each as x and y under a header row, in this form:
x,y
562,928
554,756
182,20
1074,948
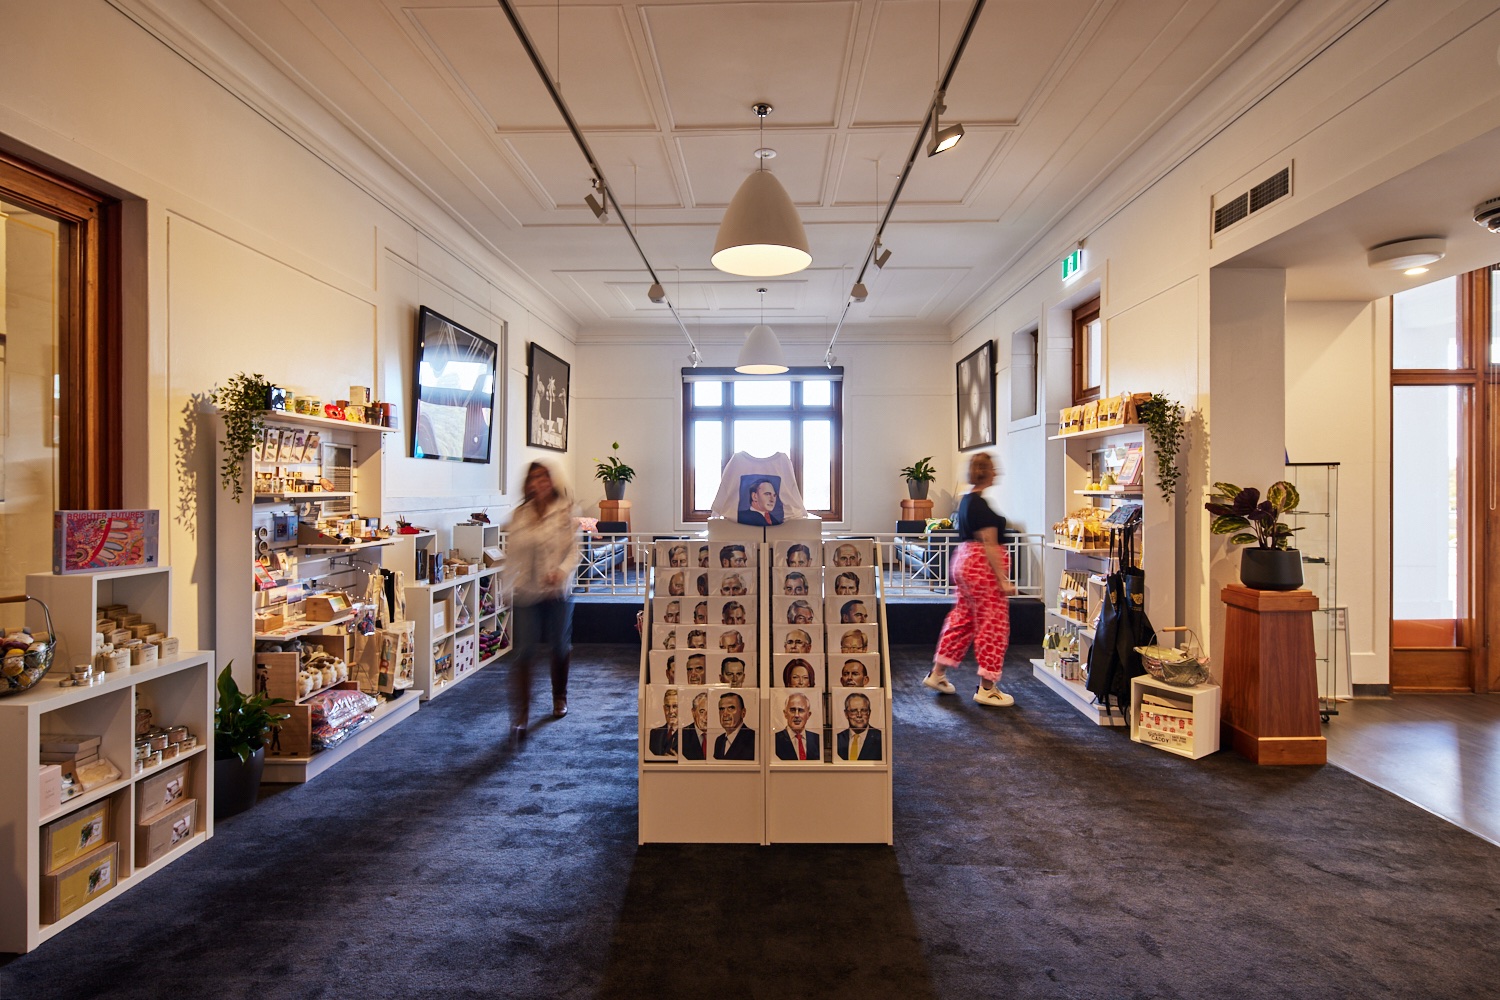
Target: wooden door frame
x,y
90,467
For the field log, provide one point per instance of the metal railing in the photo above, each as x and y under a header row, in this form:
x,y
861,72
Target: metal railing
x,y
914,566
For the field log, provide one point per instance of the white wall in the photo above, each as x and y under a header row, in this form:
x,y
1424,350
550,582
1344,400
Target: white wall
x,y
258,256
1337,393
898,407
1347,127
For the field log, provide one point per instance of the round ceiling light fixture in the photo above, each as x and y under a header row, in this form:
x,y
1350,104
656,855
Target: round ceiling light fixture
x,y
1411,256
1487,214
761,235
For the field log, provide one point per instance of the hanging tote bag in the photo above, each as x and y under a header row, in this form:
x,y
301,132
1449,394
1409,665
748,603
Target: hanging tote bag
x,y
1122,625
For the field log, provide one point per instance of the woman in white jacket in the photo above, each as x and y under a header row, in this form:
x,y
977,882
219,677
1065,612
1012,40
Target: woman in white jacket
x,y
541,554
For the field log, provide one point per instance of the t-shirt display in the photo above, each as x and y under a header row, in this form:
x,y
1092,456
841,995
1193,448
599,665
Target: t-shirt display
x,y
759,491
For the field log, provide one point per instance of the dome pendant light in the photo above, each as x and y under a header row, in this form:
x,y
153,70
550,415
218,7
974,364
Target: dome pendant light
x,y
761,235
761,354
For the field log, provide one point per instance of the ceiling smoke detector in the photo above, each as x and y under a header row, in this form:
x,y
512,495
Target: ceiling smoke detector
x,y
1487,214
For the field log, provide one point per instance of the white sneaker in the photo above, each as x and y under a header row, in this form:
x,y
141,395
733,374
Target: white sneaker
x,y
939,684
993,697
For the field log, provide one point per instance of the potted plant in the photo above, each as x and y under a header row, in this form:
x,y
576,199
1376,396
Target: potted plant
x,y
1166,423
240,726
1270,563
241,402
614,474
918,477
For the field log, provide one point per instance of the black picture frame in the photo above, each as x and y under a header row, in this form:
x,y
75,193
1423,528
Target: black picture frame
x,y
455,384
976,398
548,382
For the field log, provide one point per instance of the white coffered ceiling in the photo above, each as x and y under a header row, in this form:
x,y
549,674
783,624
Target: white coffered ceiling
x,y
1053,94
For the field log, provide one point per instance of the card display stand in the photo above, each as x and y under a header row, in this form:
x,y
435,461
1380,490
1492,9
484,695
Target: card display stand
x,y
768,800
179,691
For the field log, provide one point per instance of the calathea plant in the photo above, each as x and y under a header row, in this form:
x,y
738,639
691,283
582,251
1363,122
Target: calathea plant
x,y
1246,518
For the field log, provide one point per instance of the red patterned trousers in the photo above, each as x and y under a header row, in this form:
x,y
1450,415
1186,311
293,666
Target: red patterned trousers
x,y
980,615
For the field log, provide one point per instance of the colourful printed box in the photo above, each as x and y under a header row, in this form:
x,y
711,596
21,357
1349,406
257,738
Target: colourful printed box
x,y
87,541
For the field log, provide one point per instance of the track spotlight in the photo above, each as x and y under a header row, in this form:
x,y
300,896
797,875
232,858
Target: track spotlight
x,y
942,138
656,293
597,204
881,256
859,292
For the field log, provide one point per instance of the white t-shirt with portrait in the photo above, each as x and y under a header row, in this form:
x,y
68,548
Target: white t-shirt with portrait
x,y
727,503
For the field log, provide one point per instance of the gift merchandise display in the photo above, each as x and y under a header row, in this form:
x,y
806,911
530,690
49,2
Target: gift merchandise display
x,y
84,541
159,744
80,766
339,714
296,668
123,640
1111,411
24,653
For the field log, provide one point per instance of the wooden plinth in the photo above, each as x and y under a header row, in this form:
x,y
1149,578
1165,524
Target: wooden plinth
x,y
615,510
916,510
1270,711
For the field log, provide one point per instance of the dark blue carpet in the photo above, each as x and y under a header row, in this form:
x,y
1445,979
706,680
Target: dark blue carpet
x,y
1036,856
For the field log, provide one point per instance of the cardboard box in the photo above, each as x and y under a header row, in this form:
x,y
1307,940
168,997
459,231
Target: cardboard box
x,y
81,832
81,882
84,541
50,779
162,790
327,607
155,836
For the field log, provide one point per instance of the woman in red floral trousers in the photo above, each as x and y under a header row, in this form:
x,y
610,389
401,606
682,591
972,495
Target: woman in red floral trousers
x,y
980,572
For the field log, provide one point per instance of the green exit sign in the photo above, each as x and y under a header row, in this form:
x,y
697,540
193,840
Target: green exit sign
x,y
1072,264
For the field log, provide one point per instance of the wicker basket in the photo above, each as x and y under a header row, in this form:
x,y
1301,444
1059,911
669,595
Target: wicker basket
x,y
1187,668
35,662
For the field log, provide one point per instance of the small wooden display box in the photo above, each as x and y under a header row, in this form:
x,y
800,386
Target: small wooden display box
x,y
1270,676
1188,726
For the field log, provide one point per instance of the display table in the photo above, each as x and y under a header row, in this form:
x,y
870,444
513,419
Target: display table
x,y
1270,711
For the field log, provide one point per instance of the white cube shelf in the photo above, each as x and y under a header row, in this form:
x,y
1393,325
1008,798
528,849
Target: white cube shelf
x,y
1193,735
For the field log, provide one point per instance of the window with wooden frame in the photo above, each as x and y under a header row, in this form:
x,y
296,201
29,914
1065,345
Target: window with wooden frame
x,y
1088,352
799,413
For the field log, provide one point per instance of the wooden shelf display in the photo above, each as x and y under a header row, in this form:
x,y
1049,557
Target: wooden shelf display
x,y
449,617
1087,456
177,691
275,568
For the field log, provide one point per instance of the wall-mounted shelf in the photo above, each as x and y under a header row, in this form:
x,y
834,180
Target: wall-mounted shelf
x,y
306,420
296,631
1100,432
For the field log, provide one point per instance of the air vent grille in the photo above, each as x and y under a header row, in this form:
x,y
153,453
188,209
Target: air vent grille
x,y
1227,210
1268,190
1231,213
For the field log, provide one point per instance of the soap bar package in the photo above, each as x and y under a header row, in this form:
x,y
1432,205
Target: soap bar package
x,y
79,883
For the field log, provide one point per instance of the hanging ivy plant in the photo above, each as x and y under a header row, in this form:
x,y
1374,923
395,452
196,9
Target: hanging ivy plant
x,y
1166,423
241,401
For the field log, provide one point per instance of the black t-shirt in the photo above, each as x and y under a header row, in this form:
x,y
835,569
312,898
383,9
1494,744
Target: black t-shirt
x,y
973,515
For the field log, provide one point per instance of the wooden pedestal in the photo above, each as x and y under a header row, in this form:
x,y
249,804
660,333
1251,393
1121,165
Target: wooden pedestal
x,y
615,510
916,510
1270,711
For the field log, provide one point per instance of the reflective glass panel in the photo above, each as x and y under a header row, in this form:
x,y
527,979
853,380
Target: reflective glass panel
x,y
1424,326
761,437
817,464
819,393
762,394
1427,547
708,393
708,460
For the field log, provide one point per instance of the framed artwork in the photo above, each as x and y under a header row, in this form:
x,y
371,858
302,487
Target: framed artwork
x,y
455,390
976,398
547,403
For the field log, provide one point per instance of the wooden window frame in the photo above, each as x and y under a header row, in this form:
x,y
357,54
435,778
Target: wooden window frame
x,y
1083,315
91,441
798,412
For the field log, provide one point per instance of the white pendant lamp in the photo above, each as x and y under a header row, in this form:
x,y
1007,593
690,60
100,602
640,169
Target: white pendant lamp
x,y
761,353
761,235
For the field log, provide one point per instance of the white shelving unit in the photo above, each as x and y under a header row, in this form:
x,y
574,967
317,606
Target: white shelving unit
x,y
1201,701
179,691
75,600
1082,460
350,456
459,595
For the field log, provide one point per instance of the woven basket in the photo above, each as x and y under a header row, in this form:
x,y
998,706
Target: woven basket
x,y
35,662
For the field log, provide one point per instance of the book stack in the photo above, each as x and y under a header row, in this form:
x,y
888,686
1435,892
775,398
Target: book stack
x,y
83,766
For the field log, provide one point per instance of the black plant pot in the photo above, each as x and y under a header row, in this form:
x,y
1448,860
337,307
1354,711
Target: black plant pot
x,y
917,488
1271,569
614,491
236,785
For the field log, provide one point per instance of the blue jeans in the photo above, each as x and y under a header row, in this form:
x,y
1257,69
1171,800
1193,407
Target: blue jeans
x,y
545,623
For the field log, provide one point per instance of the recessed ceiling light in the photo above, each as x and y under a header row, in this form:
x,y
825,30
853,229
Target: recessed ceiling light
x,y
1413,271
1403,255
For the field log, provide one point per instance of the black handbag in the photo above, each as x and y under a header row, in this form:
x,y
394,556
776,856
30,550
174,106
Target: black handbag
x,y
1122,624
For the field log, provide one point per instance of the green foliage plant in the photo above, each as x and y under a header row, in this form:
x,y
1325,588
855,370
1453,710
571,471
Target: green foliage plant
x,y
241,721
1246,518
241,401
612,470
922,471
1166,423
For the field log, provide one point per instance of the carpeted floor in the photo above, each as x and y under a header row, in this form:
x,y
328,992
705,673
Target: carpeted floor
x,y
1036,856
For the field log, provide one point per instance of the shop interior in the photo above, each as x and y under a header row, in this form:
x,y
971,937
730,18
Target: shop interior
x,y
1277,216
